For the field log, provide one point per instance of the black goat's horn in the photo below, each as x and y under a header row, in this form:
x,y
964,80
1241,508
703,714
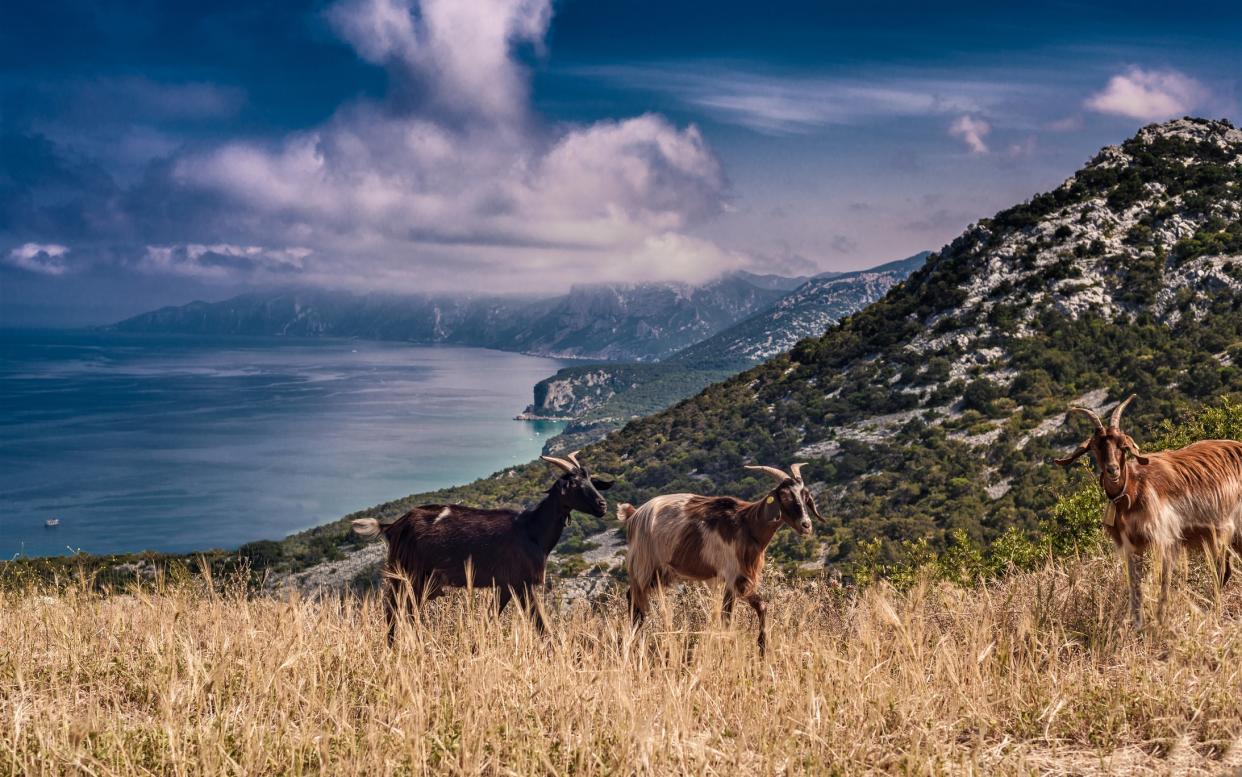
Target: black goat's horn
x,y
1115,421
573,458
559,463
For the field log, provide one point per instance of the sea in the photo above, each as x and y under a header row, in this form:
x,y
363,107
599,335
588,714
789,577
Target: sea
x,y
180,443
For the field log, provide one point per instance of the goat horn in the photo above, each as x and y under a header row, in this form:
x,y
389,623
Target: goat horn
x,y
561,463
1115,421
573,457
1089,413
796,469
781,477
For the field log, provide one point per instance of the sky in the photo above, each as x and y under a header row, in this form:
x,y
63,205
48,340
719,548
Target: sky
x,y
154,153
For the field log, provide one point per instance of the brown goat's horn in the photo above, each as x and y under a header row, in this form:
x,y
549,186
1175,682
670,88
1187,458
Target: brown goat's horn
x,y
1089,413
780,477
1115,421
796,469
560,463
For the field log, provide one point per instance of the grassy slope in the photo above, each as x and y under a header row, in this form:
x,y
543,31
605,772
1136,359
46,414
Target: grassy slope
x,y
1017,671
1033,673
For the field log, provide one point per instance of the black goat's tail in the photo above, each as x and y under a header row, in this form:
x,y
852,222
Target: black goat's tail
x,y
367,527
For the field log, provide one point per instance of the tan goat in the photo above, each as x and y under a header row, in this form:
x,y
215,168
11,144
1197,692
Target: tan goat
x,y
1169,501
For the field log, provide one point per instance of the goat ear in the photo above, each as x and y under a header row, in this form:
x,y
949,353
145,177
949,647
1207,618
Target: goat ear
x,y
602,482
1133,450
1070,459
810,501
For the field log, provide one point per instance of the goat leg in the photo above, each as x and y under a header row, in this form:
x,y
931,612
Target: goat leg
x,y
390,609
399,598
638,604
749,590
1168,560
1136,566
761,609
726,607
503,595
530,602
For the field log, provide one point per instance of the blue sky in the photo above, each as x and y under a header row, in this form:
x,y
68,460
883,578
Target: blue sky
x,y
152,153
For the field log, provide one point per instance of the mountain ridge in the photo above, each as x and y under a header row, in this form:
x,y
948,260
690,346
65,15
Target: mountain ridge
x,y
934,413
806,311
599,398
623,322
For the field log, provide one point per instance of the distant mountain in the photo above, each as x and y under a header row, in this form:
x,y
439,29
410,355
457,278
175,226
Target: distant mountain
x,y
935,412
775,282
645,322
601,398
642,322
805,312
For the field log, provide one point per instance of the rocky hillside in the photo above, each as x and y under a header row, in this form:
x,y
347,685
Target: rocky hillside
x,y
645,322
936,410
805,312
630,323
600,398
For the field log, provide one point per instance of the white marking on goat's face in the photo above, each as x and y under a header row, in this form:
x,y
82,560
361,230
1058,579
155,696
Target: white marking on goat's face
x,y
445,513
1109,448
797,506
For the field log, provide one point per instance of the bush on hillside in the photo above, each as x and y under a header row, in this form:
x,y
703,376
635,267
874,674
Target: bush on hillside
x,y
1071,528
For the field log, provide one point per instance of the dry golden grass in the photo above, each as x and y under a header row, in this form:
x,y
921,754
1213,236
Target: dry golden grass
x,y
1038,673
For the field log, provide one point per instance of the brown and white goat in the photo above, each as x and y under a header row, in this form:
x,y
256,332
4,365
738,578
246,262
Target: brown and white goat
x,y
680,537
1167,501
434,547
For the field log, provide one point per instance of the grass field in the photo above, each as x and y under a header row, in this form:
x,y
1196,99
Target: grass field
x,y
1036,673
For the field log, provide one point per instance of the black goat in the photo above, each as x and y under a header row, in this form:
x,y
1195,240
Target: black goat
x,y
434,547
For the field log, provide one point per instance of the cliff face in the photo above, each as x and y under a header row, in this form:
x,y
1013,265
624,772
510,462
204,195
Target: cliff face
x,y
602,398
575,391
806,311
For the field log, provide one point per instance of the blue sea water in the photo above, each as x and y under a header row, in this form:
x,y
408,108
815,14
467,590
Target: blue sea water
x,y
178,443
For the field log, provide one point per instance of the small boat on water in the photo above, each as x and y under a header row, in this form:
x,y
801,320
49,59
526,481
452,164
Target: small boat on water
x,y
51,523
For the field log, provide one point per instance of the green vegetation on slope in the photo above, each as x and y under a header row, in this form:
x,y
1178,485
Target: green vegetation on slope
x,y
1072,527
934,412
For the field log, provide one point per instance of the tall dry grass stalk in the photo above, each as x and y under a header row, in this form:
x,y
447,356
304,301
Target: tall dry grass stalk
x,y
1038,673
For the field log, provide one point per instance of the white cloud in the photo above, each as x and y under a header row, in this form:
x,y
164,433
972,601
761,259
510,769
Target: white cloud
x,y
1025,148
1149,95
462,189
971,131
458,50
1065,124
783,104
42,258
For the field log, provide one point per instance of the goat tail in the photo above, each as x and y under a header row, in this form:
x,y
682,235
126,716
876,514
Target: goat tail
x,y
625,511
367,527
